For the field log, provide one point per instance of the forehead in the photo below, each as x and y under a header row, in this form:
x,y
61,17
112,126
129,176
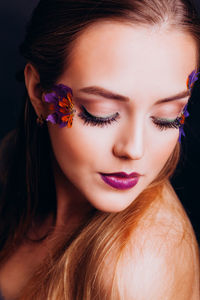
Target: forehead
x,y
113,52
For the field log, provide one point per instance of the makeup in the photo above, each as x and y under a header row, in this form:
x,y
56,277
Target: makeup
x,y
121,181
92,120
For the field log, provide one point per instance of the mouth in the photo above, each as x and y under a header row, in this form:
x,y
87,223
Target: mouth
x,y
121,180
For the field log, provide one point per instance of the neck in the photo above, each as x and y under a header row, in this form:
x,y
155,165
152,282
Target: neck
x,y
72,206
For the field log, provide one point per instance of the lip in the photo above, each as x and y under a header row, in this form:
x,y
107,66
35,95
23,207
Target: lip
x,y
121,180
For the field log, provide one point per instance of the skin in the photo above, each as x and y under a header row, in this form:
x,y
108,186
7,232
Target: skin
x,y
144,65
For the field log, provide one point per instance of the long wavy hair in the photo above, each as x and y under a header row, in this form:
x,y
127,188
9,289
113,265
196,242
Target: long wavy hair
x,y
28,191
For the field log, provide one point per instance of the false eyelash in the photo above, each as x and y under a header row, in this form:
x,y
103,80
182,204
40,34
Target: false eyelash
x,y
96,121
164,124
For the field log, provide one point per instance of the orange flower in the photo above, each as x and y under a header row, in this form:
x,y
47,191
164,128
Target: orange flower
x,y
60,102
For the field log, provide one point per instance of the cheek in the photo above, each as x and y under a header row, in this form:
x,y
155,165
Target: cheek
x,y
78,146
162,150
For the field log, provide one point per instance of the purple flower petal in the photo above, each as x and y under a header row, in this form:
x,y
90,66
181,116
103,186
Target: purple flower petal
x,y
63,124
61,90
185,111
181,132
193,77
53,118
51,98
179,139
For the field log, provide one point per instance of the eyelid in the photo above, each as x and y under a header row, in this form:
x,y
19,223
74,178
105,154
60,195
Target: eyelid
x,y
97,117
171,119
164,119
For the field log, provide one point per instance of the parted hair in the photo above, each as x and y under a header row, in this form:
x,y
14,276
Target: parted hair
x,y
28,191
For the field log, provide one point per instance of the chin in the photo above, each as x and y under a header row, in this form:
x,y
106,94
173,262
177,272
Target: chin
x,y
112,206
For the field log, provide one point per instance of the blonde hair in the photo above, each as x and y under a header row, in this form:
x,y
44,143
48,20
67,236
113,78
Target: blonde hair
x,y
76,269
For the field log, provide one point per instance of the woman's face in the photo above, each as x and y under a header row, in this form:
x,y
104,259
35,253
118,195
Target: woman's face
x,y
131,76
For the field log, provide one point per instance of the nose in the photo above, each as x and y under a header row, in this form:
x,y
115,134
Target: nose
x,y
130,142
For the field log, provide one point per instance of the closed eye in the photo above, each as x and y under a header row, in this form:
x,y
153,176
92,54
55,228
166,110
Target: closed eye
x,y
164,124
92,120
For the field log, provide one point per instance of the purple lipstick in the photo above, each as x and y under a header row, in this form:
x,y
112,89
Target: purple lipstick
x,y
121,181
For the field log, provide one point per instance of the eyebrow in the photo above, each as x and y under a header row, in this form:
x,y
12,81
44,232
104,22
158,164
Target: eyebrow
x,y
95,90
98,91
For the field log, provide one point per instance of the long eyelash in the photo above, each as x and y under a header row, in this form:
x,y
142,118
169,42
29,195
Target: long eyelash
x,y
164,124
101,122
96,121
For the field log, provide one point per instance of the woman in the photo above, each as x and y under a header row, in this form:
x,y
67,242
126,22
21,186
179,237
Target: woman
x,y
87,209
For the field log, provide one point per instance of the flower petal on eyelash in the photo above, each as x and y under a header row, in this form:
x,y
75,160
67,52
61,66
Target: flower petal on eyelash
x,y
182,118
185,111
193,77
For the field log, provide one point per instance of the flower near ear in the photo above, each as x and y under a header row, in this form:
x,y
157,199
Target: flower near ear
x,y
60,106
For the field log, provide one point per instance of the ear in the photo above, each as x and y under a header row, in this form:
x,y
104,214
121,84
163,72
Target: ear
x,y
32,81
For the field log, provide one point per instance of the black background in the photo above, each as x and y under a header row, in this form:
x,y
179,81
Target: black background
x,y
13,18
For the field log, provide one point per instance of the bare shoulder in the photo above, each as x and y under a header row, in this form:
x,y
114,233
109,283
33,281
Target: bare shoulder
x,y
161,259
169,213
